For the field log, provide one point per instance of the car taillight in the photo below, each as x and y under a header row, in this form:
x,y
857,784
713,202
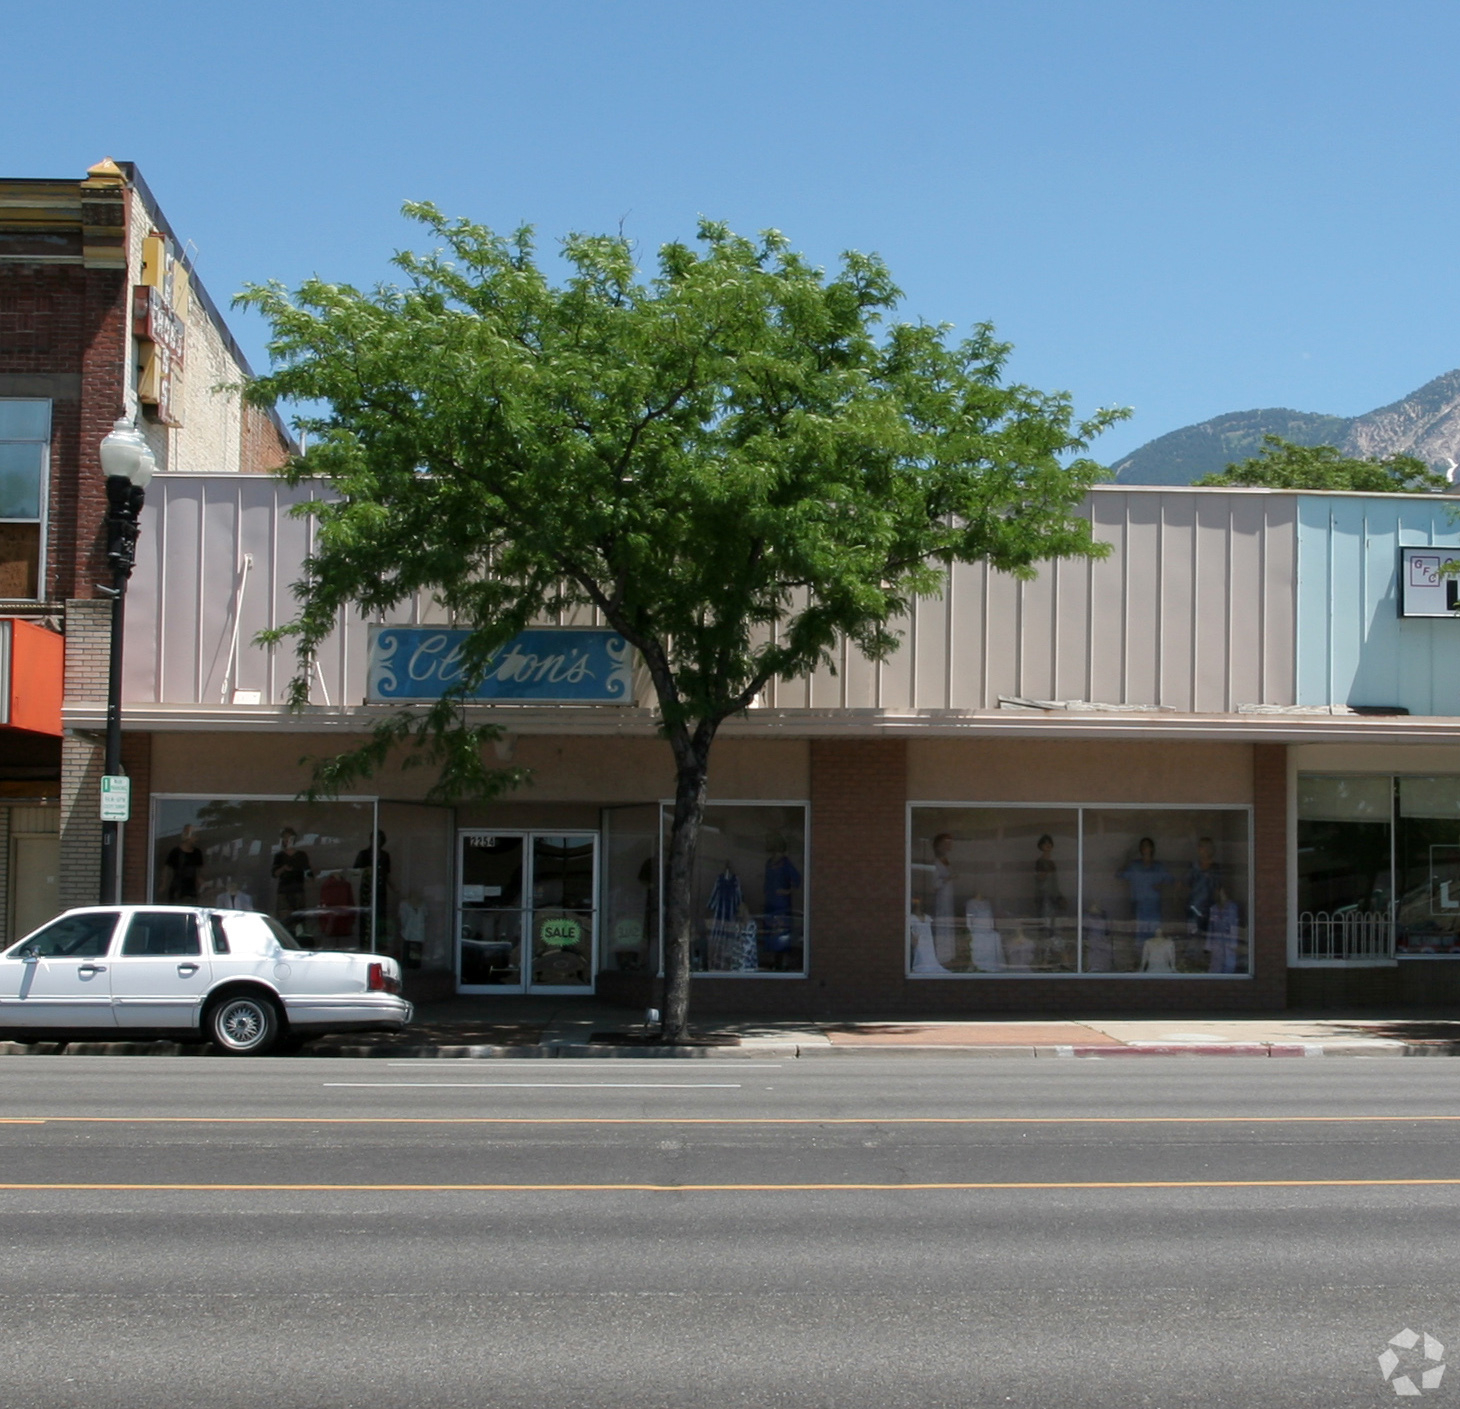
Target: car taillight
x,y
378,981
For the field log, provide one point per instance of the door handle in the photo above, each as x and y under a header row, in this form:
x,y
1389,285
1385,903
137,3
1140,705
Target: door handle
x,y
186,969
92,969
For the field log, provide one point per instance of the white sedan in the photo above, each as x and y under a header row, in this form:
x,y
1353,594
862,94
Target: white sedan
x,y
238,977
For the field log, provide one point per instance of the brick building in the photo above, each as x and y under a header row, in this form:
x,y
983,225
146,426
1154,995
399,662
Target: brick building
x,y
101,316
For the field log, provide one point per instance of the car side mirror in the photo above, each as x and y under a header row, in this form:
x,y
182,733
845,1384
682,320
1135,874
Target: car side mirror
x,y
29,956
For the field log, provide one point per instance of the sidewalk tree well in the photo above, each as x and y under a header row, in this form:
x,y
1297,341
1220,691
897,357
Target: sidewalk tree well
x,y
734,462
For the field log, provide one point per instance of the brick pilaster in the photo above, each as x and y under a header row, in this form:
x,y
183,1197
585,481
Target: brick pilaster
x,y
1270,874
858,870
137,765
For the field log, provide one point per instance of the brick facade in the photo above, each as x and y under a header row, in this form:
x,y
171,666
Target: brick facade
x,y
88,640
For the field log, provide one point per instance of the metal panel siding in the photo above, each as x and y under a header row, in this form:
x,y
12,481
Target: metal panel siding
x,y
930,677
1178,580
1072,626
1143,599
1279,602
1107,598
1245,647
1352,645
1193,608
182,579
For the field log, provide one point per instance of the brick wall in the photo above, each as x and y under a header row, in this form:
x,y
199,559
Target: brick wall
x,y
263,447
1270,873
88,642
69,322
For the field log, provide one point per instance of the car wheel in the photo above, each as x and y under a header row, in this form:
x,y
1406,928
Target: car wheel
x,y
243,1026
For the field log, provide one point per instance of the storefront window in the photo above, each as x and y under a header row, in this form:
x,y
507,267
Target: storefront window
x,y
1017,890
748,892
630,941
994,890
1345,856
1427,866
314,867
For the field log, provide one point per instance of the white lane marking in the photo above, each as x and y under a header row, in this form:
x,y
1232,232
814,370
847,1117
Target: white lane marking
x,y
538,1085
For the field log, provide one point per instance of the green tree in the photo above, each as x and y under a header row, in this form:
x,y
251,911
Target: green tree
x,y
731,461
1282,465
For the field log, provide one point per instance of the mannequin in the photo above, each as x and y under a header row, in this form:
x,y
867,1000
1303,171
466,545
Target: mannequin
x,y
233,897
1158,955
1019,953
722,937
986,945
945,932
1224,927
1146,878
924,951
782,881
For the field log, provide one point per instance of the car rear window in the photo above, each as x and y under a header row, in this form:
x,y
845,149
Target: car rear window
x,y
252,931
162,932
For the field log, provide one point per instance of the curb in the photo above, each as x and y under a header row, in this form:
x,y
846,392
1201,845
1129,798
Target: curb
x,y
1377,1047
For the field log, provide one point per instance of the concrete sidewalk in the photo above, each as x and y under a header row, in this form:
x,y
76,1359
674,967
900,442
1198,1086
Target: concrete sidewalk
x,y
536,1027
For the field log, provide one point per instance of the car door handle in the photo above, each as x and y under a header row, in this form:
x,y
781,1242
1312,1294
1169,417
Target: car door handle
x,y
186,970
92,969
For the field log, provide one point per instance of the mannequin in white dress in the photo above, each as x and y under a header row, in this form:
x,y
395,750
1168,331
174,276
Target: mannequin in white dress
x,y
924,949
986,945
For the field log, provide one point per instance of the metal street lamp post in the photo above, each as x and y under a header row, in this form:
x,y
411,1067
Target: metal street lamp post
x,y
127,462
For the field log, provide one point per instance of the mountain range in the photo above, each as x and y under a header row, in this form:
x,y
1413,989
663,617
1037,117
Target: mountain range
x,y
1425,423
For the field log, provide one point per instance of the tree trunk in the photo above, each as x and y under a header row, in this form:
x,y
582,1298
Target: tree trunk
x,y
692,766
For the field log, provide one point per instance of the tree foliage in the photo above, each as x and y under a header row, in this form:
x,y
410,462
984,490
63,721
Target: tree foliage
x,y
1282,465
734,462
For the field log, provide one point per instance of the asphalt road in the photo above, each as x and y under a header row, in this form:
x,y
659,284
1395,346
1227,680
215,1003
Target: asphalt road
x,y
674,1234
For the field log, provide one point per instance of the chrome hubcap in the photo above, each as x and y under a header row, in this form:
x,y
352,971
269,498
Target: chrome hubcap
x,y
241,1024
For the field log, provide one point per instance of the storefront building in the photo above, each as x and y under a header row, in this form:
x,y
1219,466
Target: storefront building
x,y
101,317
1216,770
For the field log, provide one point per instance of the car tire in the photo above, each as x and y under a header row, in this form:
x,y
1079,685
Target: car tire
x,y
243,1025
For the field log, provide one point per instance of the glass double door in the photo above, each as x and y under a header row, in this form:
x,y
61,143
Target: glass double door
x,y
527,911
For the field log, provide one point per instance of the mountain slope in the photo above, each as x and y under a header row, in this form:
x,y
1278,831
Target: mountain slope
x,y
1425,423
1208,447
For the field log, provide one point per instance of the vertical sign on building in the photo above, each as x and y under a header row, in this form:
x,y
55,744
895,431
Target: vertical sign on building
x,y
159,323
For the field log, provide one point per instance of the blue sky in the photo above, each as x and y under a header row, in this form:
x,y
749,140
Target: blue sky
x,y
1184,207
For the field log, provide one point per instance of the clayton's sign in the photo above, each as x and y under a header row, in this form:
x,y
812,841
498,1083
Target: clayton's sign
x,y
543,665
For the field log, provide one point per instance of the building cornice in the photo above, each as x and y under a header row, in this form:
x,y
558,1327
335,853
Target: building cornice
x,y
610,721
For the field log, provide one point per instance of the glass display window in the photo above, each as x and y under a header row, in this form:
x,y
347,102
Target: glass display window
x,y
994,890
748,899
1345,837
1032,890
1427,866
307,864
749,890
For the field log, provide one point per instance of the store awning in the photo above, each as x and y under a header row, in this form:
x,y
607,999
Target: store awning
x,y
32,677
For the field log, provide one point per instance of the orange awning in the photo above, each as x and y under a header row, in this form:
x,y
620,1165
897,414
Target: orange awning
x,y
32,677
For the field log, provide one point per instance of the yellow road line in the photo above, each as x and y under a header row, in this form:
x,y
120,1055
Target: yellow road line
x,y
911,1187
732,1120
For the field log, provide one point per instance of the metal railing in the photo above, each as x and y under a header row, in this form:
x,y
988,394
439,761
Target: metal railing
x,y
1345,934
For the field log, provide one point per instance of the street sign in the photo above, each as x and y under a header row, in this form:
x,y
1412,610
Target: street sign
x,y
116,798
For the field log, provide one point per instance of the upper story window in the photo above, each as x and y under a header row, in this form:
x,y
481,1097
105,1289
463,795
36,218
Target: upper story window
x,y
25,439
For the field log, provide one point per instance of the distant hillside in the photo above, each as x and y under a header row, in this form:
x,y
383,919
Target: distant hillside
x,y
1180,457
1424,423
